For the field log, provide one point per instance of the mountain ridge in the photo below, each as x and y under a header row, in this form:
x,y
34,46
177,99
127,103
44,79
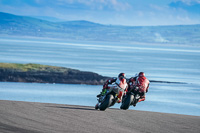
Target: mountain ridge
x,y
15,25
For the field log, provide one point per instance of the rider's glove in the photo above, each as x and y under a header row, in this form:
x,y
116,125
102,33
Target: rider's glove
x,y
105,86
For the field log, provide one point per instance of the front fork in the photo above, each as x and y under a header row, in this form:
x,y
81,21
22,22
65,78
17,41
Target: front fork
x,y
100,99
136,99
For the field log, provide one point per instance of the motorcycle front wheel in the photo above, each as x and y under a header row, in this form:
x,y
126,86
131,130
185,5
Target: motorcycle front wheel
x,y
127,102
106,102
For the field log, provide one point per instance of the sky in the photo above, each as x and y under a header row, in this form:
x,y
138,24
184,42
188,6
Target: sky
x,y
110,12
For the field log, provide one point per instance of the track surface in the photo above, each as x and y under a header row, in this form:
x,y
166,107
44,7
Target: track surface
x,y
29,117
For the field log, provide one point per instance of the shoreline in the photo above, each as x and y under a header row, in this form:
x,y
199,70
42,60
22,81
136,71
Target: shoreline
x,y
151,81
37,73
33,117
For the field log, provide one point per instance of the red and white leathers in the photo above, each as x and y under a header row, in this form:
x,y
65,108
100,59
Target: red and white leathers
x,y
118,82
142,83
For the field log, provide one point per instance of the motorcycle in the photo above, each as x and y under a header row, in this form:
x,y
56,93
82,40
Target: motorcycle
x,y
109,98
131,98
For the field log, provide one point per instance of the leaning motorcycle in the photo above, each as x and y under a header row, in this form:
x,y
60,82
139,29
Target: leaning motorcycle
x,y
109,98
131,98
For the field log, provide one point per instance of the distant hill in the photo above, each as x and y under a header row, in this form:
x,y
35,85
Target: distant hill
x,y
14,25
47,18
36,73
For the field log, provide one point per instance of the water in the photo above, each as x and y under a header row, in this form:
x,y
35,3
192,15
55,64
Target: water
x,y
163,63
159,62
180,100
50,93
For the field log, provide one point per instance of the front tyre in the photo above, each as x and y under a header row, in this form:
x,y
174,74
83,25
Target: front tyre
x,y
106,103
97,106
127,102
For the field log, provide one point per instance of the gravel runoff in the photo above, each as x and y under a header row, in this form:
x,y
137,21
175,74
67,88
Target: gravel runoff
x,y
30,117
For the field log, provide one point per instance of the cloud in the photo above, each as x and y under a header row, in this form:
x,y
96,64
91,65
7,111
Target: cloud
x,y
156,7
119,5
191,6
120,12
188,2
116,5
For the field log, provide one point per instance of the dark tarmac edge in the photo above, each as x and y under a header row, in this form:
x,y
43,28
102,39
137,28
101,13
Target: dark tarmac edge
x,y
30,117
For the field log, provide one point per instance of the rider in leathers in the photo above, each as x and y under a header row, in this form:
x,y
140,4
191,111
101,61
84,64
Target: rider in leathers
x,y
120,82
142,83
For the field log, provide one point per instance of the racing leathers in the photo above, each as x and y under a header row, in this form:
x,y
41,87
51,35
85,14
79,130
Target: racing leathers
x,y
141,86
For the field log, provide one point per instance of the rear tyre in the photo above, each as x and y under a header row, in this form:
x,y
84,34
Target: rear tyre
x,y
127,102
106,103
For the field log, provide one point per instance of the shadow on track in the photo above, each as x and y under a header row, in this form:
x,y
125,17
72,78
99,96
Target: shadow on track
x,y
71,107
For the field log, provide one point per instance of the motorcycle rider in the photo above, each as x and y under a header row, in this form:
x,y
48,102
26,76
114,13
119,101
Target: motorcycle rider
x,y
141,85
120,82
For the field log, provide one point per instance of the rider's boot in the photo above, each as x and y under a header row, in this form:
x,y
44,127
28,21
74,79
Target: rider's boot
x,y
119,100
99,95
119,97
142,99
137,101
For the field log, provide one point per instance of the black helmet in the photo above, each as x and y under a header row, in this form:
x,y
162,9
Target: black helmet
x,y
141,74
121,76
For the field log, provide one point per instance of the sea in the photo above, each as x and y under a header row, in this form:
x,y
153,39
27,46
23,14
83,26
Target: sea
x,y
177,66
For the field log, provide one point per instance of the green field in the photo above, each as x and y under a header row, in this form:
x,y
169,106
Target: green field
x,y
33,67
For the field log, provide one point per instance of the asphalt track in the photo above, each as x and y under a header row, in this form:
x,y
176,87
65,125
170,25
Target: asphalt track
x,y
29,117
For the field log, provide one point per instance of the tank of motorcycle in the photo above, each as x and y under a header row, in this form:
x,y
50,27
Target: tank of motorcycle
x,y
114,88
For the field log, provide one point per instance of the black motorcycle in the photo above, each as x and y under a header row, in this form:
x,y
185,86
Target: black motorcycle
x,y
131,98
109,98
